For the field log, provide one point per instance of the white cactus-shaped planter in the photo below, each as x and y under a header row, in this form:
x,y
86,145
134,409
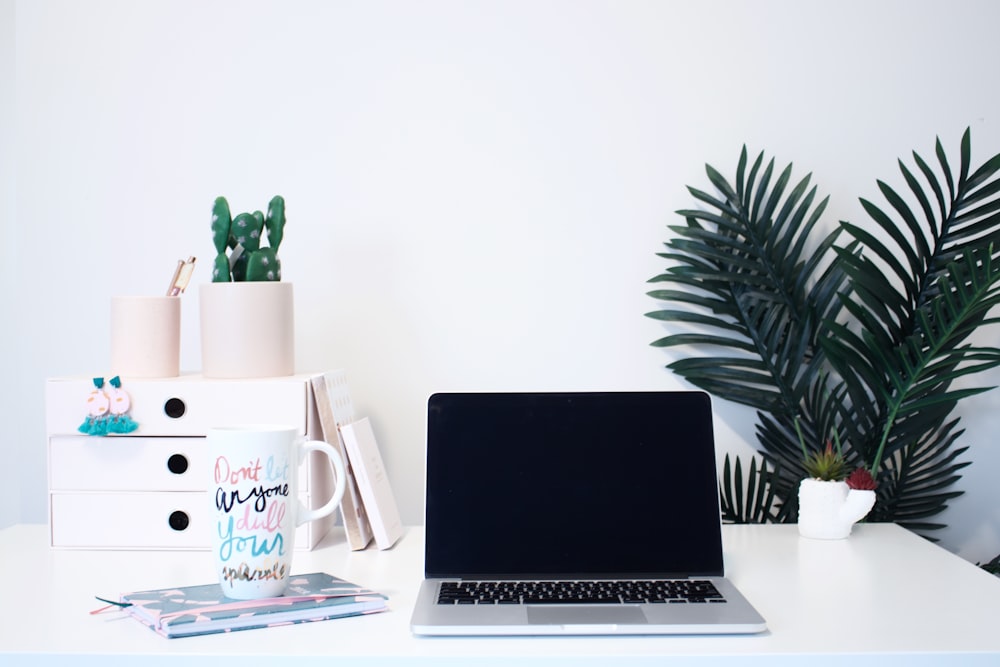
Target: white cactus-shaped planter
x,y
828,510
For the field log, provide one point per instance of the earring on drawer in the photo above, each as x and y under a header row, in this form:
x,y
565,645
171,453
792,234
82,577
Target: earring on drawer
x,y
98,404
119,405
107,409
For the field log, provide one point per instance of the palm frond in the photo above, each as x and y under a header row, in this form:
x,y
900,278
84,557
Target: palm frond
x,y
918,476
750,499
896,370
993,566
744,276
861,334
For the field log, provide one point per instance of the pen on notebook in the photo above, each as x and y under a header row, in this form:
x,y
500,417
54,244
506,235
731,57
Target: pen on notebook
x,y
182,276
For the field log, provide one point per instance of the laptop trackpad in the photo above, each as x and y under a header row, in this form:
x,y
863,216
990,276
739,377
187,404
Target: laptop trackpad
x,y
596,615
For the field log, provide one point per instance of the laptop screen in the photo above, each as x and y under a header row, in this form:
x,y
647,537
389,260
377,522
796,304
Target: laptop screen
x,y
581,485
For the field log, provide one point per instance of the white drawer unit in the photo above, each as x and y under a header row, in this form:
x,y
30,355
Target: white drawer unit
x,y
148,489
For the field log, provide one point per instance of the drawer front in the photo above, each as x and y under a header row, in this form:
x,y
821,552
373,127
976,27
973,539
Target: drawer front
x,y
84,463
81,463
187,405
144,521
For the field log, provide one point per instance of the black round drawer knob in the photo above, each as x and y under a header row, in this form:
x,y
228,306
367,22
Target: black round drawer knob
x,y
174,407
179,520
177,464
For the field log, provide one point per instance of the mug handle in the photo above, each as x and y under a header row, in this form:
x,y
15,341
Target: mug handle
x,y
305,446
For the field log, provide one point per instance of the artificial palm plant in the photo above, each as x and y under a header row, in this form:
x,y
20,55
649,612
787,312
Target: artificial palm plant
x,y
861,331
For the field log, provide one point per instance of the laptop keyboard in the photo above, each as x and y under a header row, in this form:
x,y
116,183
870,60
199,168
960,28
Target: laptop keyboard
x,y
671,591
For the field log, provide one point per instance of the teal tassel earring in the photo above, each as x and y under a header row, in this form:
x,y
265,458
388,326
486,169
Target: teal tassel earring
x,y
119,405
98,406
107,410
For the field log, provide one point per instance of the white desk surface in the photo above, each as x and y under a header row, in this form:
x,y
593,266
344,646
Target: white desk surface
x,y
883,595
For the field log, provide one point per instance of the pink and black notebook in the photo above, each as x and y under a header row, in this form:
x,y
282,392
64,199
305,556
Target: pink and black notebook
x,y
199,610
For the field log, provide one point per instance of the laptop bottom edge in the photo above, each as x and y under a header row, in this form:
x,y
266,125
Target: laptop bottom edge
x,y
735,616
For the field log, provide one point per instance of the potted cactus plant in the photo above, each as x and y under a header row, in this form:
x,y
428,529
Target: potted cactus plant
x,y
248,260
247,312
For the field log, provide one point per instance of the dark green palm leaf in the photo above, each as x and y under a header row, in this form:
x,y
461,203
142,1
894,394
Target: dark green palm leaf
x,y
918,475
747,275
910,349
863,340
897,373
751,499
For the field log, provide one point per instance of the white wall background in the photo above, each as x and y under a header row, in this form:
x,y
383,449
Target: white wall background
x,y
476,189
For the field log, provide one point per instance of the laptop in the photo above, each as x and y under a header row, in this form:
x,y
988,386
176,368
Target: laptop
x,y
574,514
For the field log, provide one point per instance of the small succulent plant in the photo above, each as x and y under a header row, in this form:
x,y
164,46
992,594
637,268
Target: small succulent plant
x,y
828,464
825,464
861,479
242,235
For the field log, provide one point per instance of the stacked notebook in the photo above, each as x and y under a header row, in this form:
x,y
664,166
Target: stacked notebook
x,y
200,610
368,507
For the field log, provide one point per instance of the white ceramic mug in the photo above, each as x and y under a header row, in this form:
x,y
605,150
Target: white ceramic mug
x,y
255,506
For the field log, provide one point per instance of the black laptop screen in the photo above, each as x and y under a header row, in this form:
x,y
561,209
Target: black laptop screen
x,y
571,485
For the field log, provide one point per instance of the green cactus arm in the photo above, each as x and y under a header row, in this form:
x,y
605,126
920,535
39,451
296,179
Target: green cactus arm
x,y
246,231
239,268
221,221
264,265
220,270
275,221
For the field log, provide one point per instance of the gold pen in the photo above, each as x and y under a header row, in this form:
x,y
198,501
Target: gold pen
x,y
182,276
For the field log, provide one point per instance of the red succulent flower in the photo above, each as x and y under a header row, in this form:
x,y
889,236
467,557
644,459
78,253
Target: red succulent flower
x,y
861,479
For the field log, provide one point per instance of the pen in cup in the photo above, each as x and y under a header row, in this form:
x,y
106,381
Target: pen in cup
x,y
182,276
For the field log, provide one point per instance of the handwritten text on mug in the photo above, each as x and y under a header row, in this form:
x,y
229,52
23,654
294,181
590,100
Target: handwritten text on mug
x,y
252,501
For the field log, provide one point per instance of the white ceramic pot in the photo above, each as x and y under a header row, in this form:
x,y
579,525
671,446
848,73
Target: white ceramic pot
x,y
828,510
145,336
247,329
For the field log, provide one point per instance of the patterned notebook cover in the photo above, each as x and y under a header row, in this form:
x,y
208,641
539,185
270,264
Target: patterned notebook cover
x,y
199,610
